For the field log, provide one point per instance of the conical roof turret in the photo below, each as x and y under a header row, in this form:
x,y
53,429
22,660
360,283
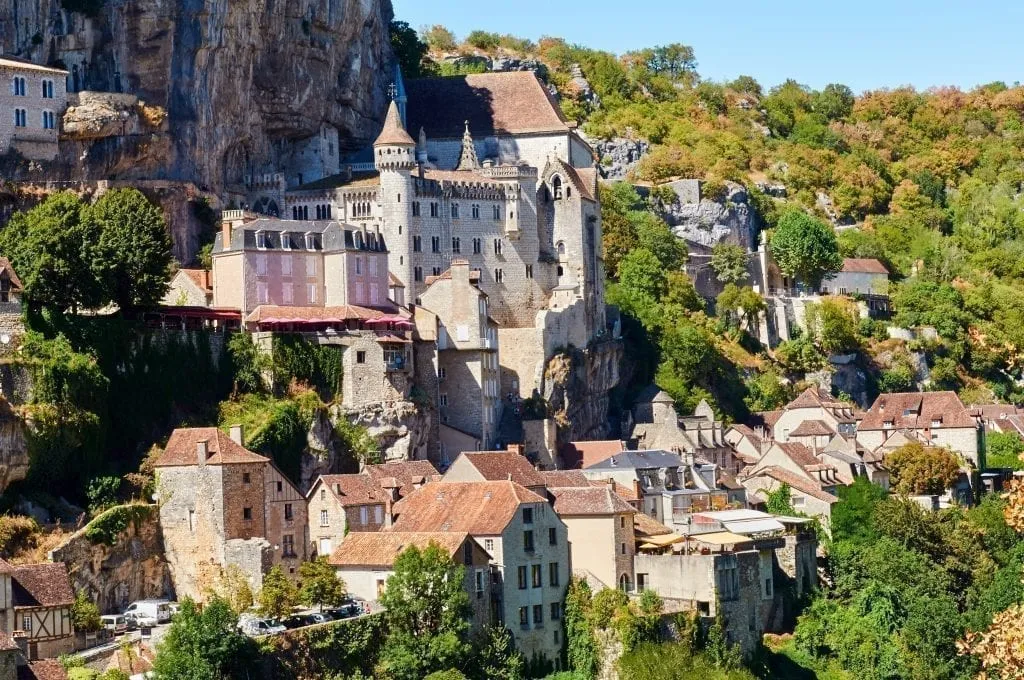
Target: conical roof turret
x,y
394,133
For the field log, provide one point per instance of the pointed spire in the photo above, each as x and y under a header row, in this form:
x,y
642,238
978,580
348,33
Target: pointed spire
x,y
394,133
468,159
423,138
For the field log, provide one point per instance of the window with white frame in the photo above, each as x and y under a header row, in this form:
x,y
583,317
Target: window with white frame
x,y
261,265
262,293
310,266
286,265
325,520
312,292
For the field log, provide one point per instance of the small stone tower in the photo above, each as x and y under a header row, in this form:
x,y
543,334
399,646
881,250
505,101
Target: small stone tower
x,y
394,155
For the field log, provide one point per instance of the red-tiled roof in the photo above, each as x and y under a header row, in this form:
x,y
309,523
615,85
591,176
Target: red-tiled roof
x,y
297,314
797,482
408,473
478,508
799,454
495,466
43,669
917,410
394,281
810,398
562,479
810,428
393,133
7,643
203,278
585,454
648,526
41,585
590,501
865,265
182,448
355,489
626,492
768,418
382,548
493,103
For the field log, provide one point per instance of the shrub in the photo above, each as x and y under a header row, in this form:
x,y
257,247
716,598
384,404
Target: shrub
x,y
17,534
108,526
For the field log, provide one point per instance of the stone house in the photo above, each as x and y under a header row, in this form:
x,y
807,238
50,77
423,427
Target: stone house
x,y
670,486
811,481
314,265
339,504
495,466
35,608
601,538
830,416
190,288
527,543
365,561
32,102
454,310
409,475
859,276
937,418
221,504
658,426
12,327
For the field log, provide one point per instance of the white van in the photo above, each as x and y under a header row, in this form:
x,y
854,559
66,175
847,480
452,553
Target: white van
x,y
115,623
155,610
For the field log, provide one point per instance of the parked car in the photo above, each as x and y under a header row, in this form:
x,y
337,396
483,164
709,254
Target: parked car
x,y
298,621
255,627
117,624
158,610
321,617
140,621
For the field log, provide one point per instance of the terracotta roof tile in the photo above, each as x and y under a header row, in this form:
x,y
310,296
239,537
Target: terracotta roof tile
x,y
799,483
562,479
495,466
43,669
915,410
585,454
810,428
355,489
286,314
7,643
182,448
626,492
408,473
590,501
382,548
572,174
393,133
799,454
42,585
478,508
493,103
203,278
648,526
865,265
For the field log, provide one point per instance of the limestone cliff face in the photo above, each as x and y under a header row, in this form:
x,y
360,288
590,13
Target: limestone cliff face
x,y
133,568
14,458
237,79
577,388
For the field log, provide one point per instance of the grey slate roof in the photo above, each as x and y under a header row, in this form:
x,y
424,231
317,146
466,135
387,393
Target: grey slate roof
x,y
328,236
634,460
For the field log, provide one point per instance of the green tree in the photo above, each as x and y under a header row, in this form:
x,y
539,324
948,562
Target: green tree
x,y
834,102
53,249
132,259
780,501
320,584
852,517
729,262
85,615
581,647
805,248
102,493
919,469
799,355
233,587
439,38
767,392
742,305
498,658
278,596
409,50
835,325
1003,450
204,645
427,610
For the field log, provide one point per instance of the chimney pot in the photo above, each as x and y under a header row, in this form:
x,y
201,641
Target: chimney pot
x,y
236,434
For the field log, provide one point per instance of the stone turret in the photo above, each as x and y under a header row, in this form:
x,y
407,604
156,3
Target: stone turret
x,y
468,159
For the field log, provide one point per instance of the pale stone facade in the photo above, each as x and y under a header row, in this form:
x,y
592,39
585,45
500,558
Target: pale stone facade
x,y
32,102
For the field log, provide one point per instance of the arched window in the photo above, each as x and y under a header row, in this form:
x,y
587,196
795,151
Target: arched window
x,y
624,583
556,186
561,247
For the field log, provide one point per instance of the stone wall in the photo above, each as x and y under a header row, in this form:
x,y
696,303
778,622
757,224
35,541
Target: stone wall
x,y
14,455
131,569
577,389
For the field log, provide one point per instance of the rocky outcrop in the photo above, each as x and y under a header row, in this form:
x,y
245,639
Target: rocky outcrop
x,y
238,80
400,428
617,157
577,389
93,115
131,567
704,222
14,459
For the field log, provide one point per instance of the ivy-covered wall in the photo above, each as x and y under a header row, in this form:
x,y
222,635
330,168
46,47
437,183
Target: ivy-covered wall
x,y
342,649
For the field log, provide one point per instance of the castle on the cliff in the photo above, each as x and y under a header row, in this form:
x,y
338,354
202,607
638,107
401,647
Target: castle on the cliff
x,y
496,182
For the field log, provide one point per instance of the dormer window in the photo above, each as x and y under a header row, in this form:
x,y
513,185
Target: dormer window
x,y
286,241
937,422
310,242
909,412
887,423
261,239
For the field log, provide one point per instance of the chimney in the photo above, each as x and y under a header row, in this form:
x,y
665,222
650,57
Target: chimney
x,y
688,458
636,489
202,451
517,448
236,434
337,489
611,484
460,277
225,230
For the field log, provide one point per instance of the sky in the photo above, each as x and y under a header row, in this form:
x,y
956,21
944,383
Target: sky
x,y
865,44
